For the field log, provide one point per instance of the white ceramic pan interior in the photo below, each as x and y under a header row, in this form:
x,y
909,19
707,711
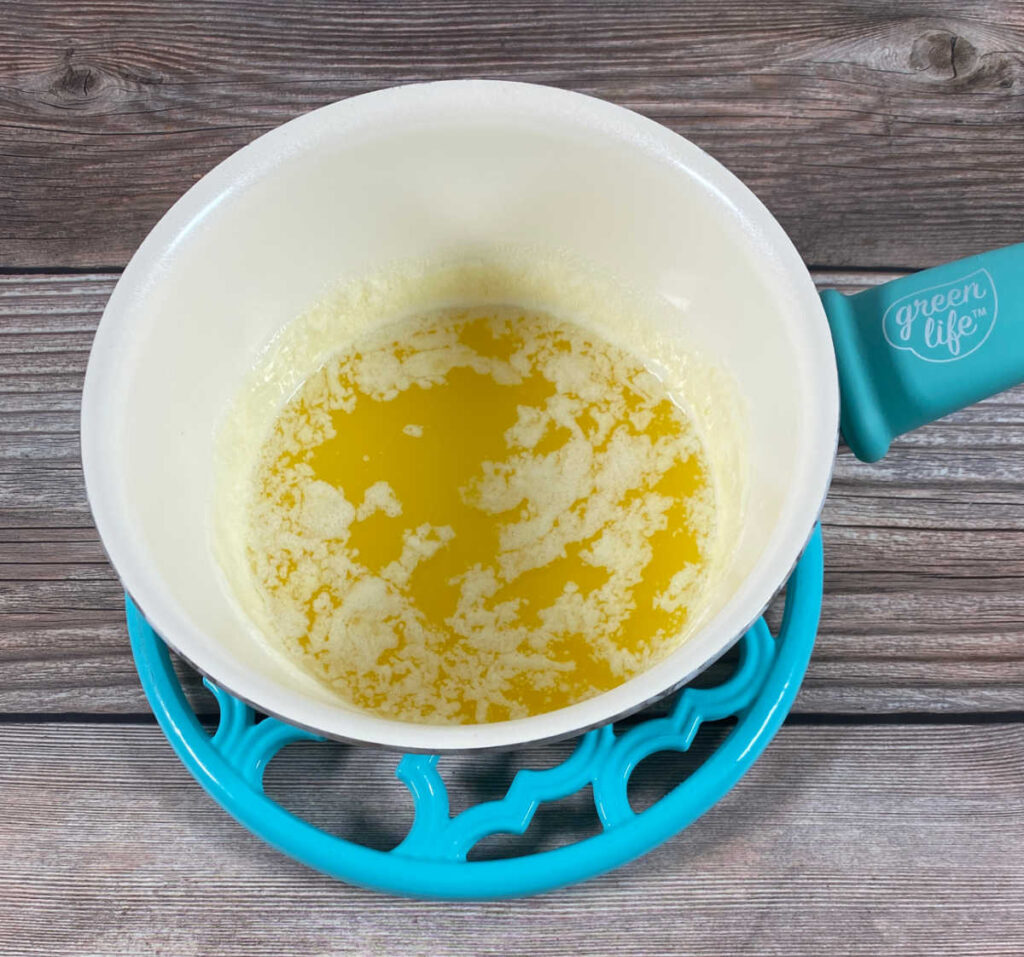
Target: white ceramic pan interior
x,y
410,174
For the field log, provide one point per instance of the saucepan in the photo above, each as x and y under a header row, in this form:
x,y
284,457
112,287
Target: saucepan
x,y
401,174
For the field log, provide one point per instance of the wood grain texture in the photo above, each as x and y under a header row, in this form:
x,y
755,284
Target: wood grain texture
x,y
844,840
880,134
924,607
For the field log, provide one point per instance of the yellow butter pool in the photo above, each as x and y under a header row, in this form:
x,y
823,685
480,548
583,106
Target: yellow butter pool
x,y
479,514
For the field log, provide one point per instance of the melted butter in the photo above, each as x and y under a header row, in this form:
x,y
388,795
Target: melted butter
x,y
479,515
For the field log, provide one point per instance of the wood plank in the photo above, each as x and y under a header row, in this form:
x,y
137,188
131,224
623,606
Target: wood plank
x,y
924,607
879,135
850,840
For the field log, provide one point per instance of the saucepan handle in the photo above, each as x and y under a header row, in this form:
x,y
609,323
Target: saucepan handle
x,y
917,348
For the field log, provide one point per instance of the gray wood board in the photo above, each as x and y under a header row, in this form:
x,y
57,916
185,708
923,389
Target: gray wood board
x,y
880,134
924,606
874,840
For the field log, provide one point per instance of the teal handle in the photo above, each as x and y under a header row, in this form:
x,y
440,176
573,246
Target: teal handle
x,y
915,349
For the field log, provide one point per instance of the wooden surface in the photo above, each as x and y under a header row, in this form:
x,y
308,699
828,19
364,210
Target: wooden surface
x,y
869,840
880,134
888,816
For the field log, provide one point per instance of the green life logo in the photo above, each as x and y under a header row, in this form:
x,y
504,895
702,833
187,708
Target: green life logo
x,y
946,322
